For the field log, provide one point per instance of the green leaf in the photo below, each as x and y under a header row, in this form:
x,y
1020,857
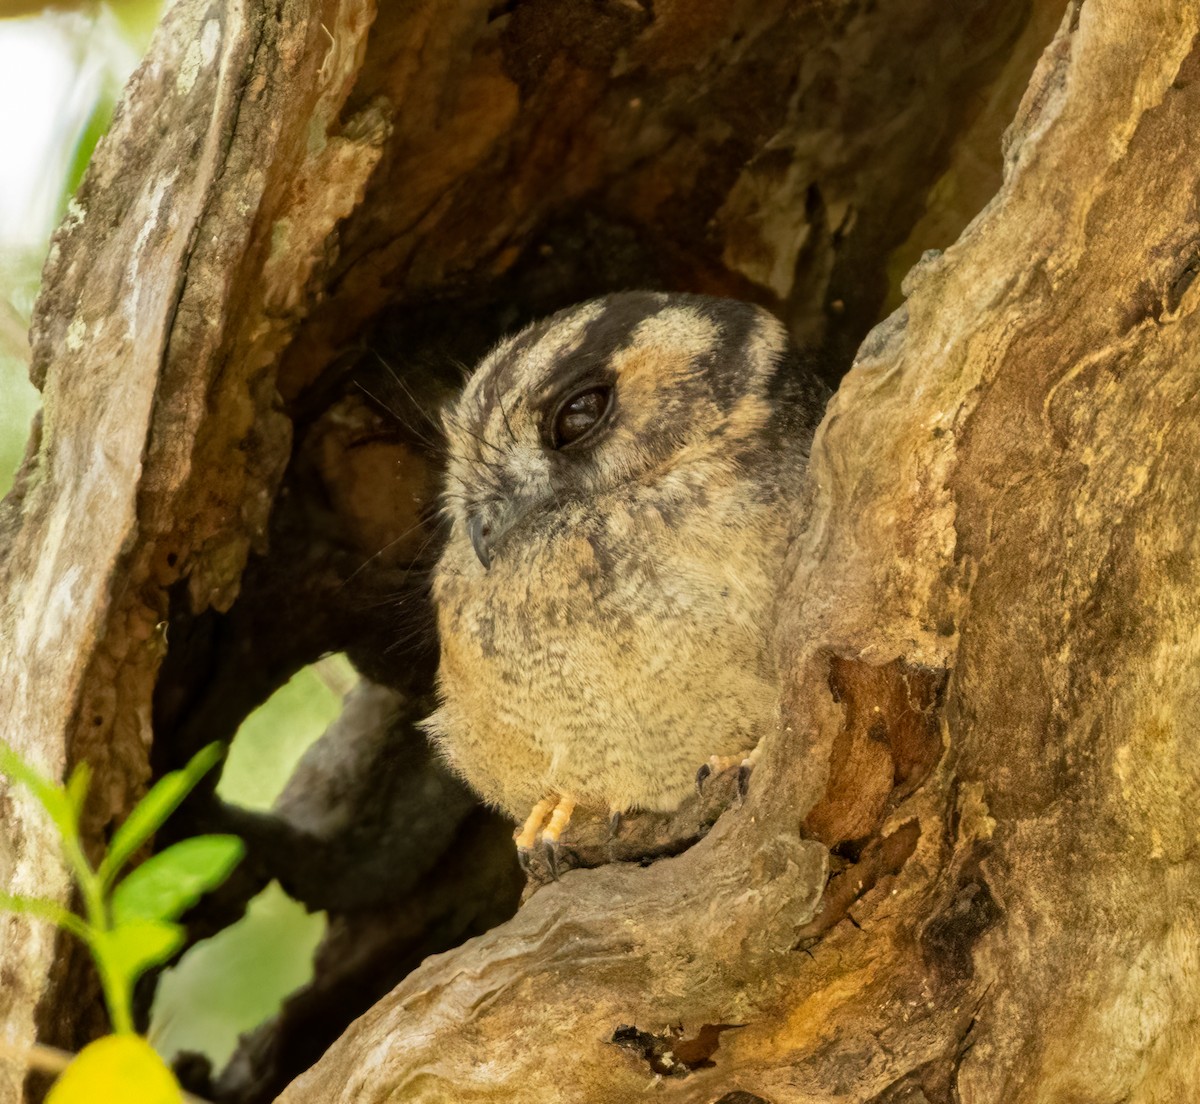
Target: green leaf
x,y
129,950
97,123
47,910
148,814
169,883
77,787
52,797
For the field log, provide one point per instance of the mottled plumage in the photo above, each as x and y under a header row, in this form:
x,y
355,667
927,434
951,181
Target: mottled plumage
x,y
605,595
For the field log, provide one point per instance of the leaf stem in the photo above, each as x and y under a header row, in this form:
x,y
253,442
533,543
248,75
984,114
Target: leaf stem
x,y
117,994
48,910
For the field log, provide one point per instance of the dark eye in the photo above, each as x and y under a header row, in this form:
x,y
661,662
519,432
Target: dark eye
x,y
579,415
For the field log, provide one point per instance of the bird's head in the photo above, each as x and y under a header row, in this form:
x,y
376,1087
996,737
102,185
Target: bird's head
x,y
625,388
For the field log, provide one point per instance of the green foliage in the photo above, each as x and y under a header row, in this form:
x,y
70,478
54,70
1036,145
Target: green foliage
x,y
52,797
149,814
223,987
103,43
166,885
132,927
127,950
18,397
273,739
94,129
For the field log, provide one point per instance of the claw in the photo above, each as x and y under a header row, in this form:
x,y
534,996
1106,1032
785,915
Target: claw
x,y
614,826
550,849
743,780
718,764
544,825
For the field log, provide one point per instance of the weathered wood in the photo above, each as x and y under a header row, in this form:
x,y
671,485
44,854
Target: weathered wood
x,y
774,151
965,868
1003,489
179,272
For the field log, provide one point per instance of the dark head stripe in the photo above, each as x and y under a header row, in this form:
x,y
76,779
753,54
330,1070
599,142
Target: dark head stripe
x,y
603,338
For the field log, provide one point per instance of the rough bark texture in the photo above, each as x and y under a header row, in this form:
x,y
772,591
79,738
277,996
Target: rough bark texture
x,y
966,868
1000,492
176,278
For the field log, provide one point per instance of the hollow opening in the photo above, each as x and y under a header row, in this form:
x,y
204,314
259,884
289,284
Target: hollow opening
x,y
735,200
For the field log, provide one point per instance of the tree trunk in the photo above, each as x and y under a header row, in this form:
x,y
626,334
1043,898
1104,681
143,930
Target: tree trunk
x,y
967,865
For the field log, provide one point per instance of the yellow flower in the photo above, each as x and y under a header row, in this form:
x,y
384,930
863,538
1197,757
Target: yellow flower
x,y
117,1069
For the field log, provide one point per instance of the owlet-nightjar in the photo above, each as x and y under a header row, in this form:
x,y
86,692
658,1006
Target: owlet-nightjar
x,y
621,483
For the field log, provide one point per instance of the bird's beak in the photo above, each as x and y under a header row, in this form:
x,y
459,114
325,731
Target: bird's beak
x,y
480,531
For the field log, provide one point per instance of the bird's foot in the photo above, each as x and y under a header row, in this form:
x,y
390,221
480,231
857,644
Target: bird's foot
x,y
718,764
544,826
615,821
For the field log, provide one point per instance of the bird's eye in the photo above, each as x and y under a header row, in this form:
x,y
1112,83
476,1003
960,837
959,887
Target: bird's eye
x,y
578,415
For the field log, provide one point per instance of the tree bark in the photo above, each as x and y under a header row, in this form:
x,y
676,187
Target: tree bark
x,y
966,867
1002,491
164,303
